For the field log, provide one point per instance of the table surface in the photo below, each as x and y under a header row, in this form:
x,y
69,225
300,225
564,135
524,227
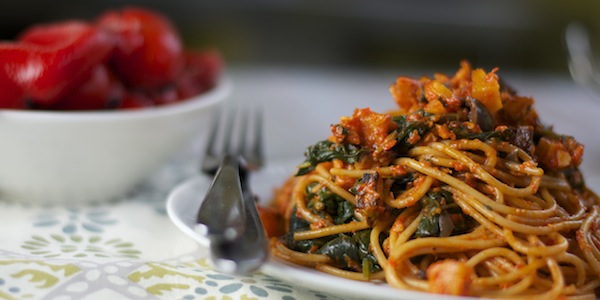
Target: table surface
x,y
129,249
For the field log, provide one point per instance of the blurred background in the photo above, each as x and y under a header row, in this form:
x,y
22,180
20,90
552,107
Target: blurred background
x,y
390,34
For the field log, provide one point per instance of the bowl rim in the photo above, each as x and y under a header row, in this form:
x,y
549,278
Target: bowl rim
x,y
215,95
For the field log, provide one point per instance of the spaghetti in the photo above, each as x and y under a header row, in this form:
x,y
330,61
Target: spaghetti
x,y
460,191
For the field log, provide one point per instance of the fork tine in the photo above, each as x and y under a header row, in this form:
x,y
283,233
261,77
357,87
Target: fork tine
x,y
222,212
242,134
210,161
229,128
214,150
214,130
254,153
258,150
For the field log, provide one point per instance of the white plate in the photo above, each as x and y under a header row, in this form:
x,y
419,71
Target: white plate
x,y
184,201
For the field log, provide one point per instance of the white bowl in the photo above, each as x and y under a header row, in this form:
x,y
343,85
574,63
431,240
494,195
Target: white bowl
x,y
83,157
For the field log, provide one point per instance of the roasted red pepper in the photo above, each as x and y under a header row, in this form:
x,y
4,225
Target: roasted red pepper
x,y
129,58
149,50
202,70
13,58
103,90
60,57
135,100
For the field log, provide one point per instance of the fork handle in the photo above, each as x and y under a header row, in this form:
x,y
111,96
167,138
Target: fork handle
x,y
250,250
222,214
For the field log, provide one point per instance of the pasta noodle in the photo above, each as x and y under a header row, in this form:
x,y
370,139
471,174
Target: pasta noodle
x,y
460,190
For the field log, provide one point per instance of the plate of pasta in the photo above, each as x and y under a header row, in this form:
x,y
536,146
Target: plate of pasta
x,y
458,190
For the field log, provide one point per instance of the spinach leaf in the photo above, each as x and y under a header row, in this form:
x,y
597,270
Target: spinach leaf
x,y
305,246
328,204
432,203
298,224
368,260
351,251
462,223
363,239
406,129
428,226
342,250
462,131
401,182
326,151
345,212
482,136
329,200
442,217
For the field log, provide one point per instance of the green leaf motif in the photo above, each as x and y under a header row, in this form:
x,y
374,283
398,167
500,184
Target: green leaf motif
x,y
76,238
77,246
40,274
158,289
95,239
121,245
68,269
39,238
6,296
58,238
35,244
47,280
204,263
159,271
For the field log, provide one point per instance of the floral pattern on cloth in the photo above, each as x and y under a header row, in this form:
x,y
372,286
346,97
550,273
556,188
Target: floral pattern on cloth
x,y
126,249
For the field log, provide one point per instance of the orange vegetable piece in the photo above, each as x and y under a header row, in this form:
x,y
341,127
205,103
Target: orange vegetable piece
x,y
434,90
486,89
406,92
450,277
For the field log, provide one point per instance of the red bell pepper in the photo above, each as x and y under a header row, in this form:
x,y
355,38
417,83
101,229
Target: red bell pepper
x,y
61,57
49,62
149,52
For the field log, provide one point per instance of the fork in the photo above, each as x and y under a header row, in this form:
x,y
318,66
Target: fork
x,y
228,214
581,61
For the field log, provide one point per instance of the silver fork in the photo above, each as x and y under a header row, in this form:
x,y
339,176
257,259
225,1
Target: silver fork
x,y
228,214
582,63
